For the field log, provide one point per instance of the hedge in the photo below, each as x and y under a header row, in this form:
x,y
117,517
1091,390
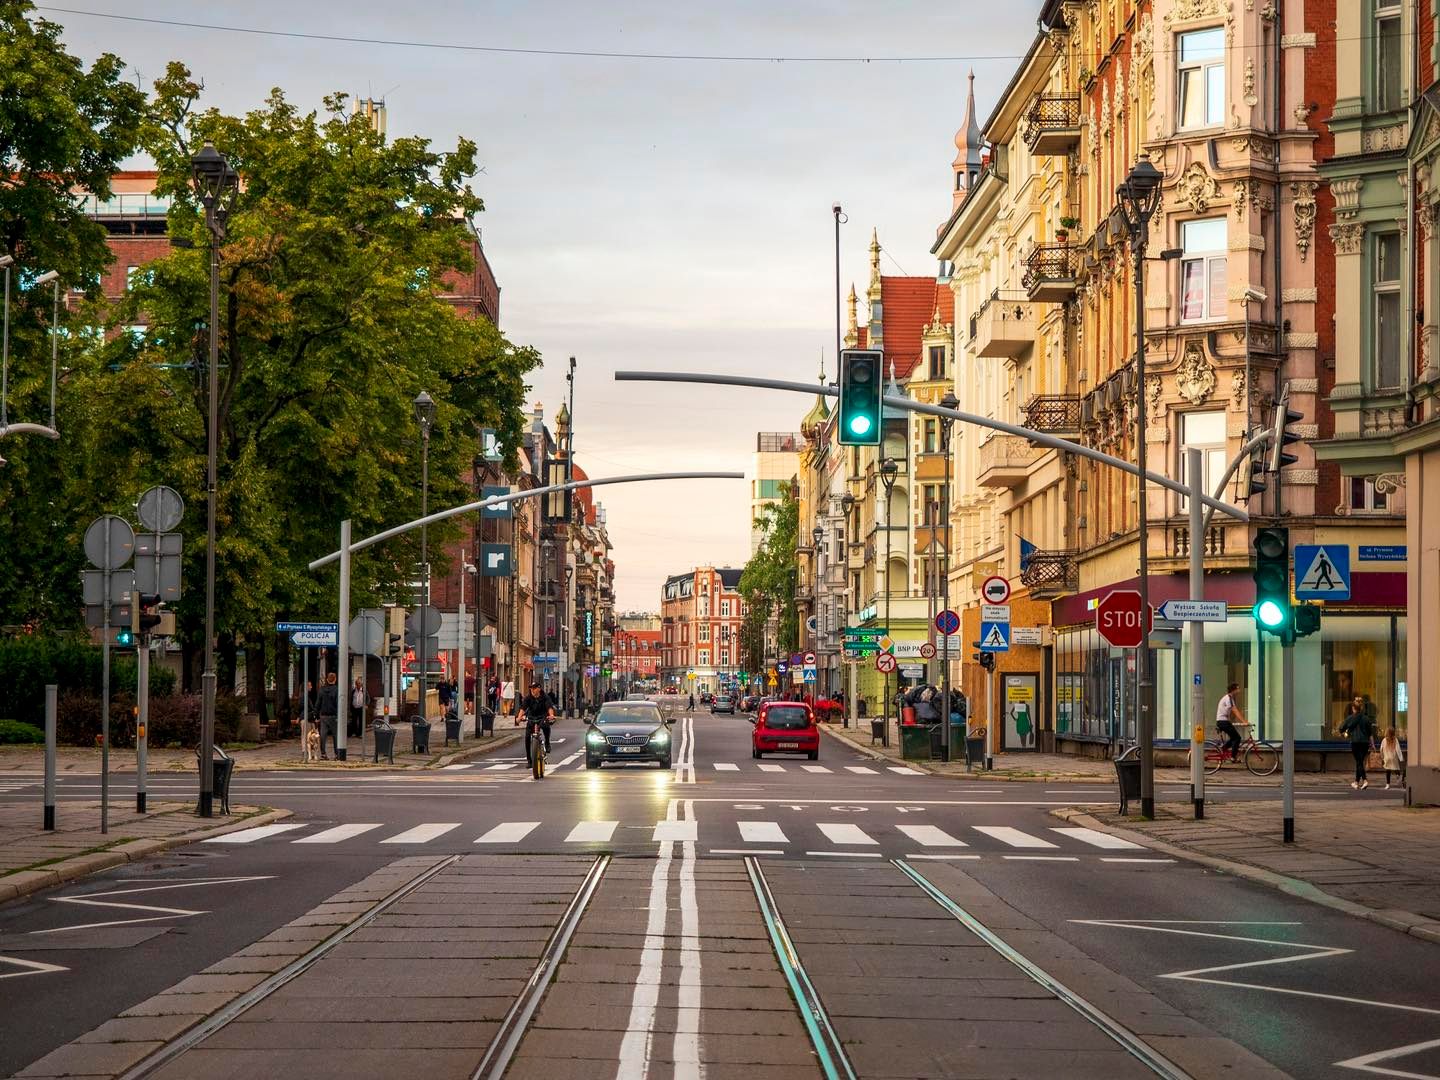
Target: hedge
x,y
29,662
174,720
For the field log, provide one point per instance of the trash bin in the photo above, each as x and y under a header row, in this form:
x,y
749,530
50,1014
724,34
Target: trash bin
x,y
484,722
223,766
419,736
1127,771
384,741
915,742
975,748
907,714
452,728
877,730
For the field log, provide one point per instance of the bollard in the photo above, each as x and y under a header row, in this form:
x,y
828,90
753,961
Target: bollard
x,y
50,693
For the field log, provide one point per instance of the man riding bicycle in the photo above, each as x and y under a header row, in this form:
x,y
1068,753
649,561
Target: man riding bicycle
x,y
538,710
1226,715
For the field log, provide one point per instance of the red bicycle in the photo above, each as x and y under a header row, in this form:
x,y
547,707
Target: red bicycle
x,y
1261,758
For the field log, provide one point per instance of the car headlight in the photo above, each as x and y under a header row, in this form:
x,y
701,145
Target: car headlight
x,y
595,736
662,737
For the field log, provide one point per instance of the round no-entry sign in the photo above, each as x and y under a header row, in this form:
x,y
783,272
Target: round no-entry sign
x,y
995,589
884,663
1117,617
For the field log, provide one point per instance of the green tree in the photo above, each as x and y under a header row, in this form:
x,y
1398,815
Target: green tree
x,y
768,581
63,127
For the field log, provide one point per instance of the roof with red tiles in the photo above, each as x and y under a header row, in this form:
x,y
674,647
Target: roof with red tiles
x,y
909,305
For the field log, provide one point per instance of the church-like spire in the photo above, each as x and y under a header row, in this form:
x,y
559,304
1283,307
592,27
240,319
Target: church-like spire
x,y
966,166
852,329
875,335
873,292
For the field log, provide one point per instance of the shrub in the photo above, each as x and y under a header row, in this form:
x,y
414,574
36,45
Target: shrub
x,y
29,662
14,731
174,719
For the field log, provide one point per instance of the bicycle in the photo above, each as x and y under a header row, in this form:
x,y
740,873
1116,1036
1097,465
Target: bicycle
x,y
1261,758
537,752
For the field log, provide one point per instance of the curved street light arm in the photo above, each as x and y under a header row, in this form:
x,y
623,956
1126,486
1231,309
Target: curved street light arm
x,y
1249,448
29,429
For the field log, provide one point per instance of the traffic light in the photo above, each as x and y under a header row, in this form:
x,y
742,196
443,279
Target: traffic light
x,y
394,631
985,660
146,613
1283,436
1258,483
1273,613
860,392
1307,620
125,638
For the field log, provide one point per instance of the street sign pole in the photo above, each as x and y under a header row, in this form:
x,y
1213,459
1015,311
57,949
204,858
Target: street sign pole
x,y
1287,736
1194,469
342,648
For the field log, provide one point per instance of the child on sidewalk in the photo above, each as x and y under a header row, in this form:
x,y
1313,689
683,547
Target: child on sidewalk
x,y
1390,759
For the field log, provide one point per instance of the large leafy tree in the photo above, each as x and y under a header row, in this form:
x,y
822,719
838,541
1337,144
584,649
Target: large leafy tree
x,y
63,127
768,581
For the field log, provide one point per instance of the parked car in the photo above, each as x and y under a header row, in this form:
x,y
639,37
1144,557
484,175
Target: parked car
x,y
706,697
785,727
722,703
627,731
749,702
672,690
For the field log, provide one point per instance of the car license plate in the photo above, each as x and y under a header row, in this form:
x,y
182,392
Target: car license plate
x,y
788,745
629,749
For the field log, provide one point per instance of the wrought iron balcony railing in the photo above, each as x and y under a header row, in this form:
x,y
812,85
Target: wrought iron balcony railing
x,y
1052,123
1050,573
1050,272
1055,414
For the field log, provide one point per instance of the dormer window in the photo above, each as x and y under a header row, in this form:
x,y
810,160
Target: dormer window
x,y
937,362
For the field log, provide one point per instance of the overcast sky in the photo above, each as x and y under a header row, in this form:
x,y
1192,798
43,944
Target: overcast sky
x,y
644,213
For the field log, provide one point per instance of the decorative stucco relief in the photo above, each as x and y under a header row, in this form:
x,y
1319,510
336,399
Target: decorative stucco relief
x,y
1195,377
1382,139
1196,188
1347,196
1347,237
1302,192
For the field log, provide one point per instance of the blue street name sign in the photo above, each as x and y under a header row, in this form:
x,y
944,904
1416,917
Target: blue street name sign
x,y
306,627
1382,552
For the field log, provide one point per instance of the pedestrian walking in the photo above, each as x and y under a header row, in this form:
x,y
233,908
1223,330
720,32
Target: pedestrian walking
x,y
507,696
358,701
443,694
328,707
1390,758
1360,730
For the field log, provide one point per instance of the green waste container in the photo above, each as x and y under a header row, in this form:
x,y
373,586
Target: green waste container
x,y
915,742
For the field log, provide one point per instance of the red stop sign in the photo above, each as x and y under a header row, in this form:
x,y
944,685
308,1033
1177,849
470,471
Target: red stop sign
x,y
1117,617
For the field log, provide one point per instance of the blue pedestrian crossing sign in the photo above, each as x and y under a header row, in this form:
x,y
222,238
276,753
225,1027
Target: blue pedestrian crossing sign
x,y
994,637
1322,571
809,674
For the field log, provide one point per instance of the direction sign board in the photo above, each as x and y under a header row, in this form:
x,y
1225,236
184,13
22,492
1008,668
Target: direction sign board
x,y
864,633
994,636
304,627
1322,571
994,612
1026,635
995,589
1117,617
321,638
1194,611
884,663
947,622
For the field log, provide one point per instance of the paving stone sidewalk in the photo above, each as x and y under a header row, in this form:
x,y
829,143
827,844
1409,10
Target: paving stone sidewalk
x,y
1375,860
32,858
1061,768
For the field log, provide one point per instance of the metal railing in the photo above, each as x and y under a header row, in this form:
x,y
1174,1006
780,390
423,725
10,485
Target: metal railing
x,y
1055,413
1050,262
128,206
1049,113
1050,572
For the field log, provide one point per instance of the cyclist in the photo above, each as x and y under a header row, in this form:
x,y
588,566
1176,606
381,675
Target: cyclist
x,y
538,709
1225,717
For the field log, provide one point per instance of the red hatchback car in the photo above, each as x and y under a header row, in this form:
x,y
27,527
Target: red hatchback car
x,y
785,727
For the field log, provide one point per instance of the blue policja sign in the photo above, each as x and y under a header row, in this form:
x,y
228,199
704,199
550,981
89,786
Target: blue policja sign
x,y
1322,571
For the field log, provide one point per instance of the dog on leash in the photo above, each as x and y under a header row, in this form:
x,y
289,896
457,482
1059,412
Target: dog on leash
x,y
312,744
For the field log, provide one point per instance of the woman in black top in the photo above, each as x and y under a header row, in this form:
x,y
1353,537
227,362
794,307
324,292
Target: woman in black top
x,y
1361,731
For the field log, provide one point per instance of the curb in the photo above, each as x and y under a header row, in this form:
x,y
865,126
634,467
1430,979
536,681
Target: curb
x,y
478,749
23,882
1404,921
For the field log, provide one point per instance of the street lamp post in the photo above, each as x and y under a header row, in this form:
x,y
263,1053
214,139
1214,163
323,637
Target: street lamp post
x,y
1139,196
817,534
216,184
847,680
949,401
6,261
425,415
889,470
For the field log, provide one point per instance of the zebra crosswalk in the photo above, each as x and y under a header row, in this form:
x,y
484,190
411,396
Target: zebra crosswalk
x,y
799,836
517,769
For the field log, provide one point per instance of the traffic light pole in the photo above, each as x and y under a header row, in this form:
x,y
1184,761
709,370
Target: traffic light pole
x,y
1194,471
142,717
1287,737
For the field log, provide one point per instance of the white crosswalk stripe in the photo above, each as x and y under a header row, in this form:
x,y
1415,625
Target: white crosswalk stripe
x,y
248,836
456,768
844,833
814,768
509,832
929,836
766,767
761,832
566,761
589,832
502,766
422,834
1095,838
1014,837
338,833
726,766
903,771
859,769
674,830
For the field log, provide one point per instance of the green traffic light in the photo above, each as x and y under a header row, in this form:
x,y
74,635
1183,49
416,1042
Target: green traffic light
x,y
1270,614
860,424
125,638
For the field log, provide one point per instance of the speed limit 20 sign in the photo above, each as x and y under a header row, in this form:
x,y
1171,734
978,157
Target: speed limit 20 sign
x,y
995,590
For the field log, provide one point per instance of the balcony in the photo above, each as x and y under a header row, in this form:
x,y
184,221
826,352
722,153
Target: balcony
x,y
1051,573
1054,414
1052,124
1003,328
1180,541
1050,272
1005,461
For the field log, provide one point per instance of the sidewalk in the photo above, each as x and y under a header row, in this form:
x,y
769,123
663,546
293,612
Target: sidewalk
x,y
1059,768
1376,861
32,859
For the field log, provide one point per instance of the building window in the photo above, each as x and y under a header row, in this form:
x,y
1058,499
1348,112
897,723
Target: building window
x,y
1386,284
724,658
771,489
1203,431
839,554
932,436
704,657
130,272
1363,495
1201,77
1389,55
1202,270
704,631
937,362
932,503
724,609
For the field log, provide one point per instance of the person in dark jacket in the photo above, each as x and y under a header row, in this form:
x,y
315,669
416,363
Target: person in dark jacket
x,y
328,706
1360,729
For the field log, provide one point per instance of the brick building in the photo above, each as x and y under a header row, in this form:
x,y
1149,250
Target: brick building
x,y
701,614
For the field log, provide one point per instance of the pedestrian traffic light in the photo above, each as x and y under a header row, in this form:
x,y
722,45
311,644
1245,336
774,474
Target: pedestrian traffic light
x,y
146,613
1307,620
1273,613
125,638
1283,436
860,391
985,660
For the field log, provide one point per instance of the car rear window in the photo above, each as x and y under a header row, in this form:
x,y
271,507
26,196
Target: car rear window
x,y
786,717
628,713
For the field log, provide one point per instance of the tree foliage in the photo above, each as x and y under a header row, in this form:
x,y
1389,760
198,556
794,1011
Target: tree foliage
x,y
768,581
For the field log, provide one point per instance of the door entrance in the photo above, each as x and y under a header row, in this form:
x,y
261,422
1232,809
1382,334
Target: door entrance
x,y
1022,711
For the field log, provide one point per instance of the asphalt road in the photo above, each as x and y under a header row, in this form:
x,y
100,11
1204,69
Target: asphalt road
x,y
1314,988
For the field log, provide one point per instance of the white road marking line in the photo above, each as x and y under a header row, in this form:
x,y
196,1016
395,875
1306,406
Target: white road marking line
x,y
860,769
1115,858
745,851
28,967
846,854
1096,838
1366,1062
246,836
814,768
686,1054
338,833
422,834
501,767
955,856
762,832
455,768
591,832
145,885
726,766
1014,837
930,836
635,1046
903,771
842,832
770,767
1043,858
674,830
508,832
